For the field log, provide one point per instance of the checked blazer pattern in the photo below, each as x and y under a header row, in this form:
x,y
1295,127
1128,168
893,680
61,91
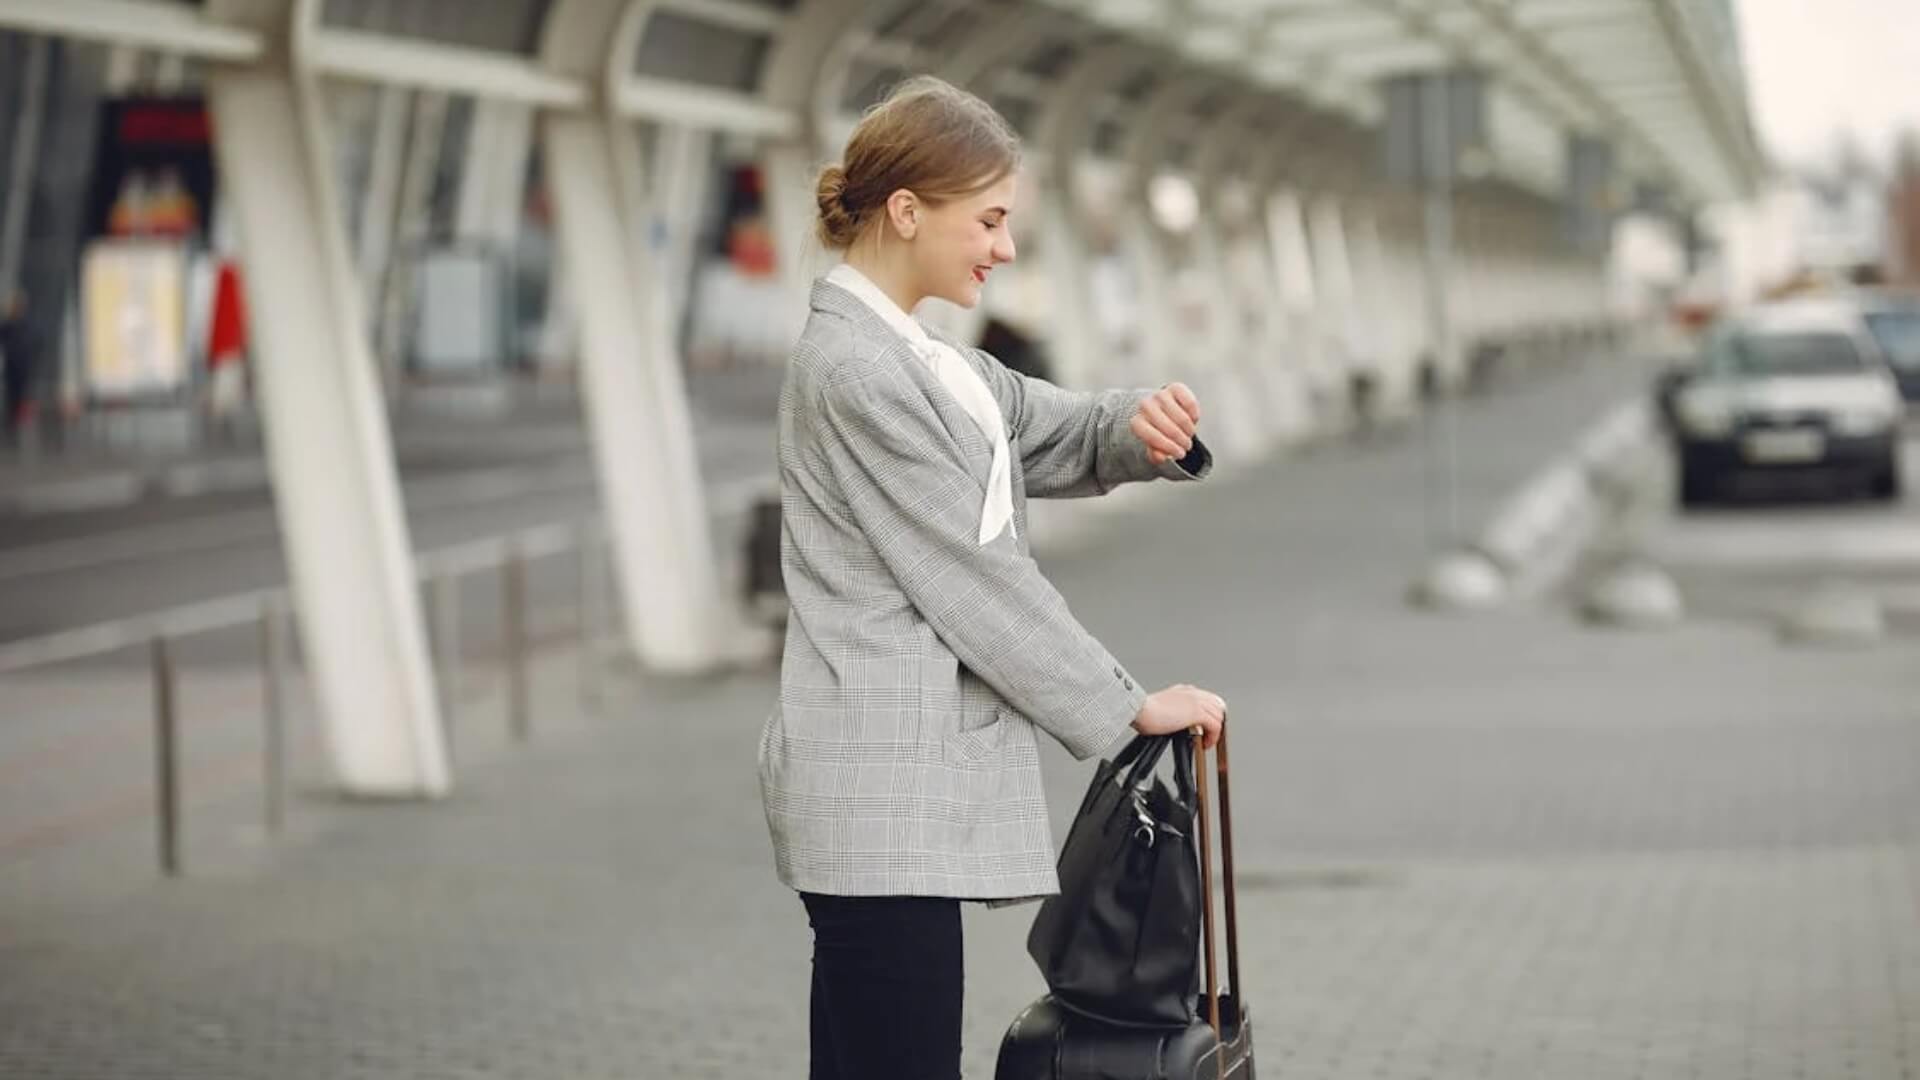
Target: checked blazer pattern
x,y
901,756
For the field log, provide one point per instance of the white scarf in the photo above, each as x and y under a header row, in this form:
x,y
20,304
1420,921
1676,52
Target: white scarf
x,y
961,381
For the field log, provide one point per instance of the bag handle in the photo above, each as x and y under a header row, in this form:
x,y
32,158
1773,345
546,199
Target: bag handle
x,y
1226,860
1206,884
1137,760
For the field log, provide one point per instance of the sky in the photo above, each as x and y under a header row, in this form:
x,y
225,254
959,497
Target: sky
x,y
1817,67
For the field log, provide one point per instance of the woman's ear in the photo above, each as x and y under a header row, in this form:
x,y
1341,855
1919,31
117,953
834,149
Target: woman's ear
x,y
903,211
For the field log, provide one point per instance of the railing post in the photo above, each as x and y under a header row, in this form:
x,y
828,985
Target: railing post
x,y
590,615
514,616
166,757
273,656
444,592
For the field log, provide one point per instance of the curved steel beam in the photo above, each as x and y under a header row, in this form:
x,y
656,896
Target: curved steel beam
x,y
635,399
336,487
996,41
1167,112
1224,141
796,67
1065,121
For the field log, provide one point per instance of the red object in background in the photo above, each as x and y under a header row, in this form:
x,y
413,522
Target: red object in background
x,y
750,247
748,239
227,332
165,122
1695,316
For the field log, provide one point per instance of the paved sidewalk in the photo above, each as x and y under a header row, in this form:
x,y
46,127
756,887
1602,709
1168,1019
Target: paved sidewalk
x,y
1500,846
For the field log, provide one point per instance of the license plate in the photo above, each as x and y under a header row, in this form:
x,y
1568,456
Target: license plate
x,y
1784,447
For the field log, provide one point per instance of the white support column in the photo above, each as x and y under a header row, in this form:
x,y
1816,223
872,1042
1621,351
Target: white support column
x,y
493,176
1246,339
491,197
380,207
1169,354
682,176
123,69
633,392
1162,357
972,60
419,158
1292,304
1372,337
335,486
1333,284
1297,301
1061,134
1075,338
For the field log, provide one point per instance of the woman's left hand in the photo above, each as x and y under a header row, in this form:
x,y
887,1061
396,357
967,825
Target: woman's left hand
x,y
1165,422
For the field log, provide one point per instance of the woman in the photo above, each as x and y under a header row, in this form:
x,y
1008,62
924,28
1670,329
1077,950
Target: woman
x,y
900,770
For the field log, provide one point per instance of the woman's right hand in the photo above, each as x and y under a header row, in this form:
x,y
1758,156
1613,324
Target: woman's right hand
x,y
1182,708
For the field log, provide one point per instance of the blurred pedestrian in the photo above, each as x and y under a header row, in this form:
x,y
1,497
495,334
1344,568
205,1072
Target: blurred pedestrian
x,y
16,362
1015,350
924,647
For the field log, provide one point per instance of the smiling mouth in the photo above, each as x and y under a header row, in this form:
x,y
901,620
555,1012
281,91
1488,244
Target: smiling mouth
x,y
979,276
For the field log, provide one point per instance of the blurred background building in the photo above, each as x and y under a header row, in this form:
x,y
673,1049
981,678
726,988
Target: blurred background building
x,y
391,383
335,220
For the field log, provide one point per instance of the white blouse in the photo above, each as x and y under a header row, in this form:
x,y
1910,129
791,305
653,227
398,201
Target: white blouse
x,y
961,381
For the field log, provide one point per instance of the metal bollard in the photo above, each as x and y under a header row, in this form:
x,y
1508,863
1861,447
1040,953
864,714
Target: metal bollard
x,y
590,615
514,617
166,757
445,592
273,657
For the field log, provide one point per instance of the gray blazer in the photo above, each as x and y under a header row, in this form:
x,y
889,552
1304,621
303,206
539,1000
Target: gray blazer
x,y
901,758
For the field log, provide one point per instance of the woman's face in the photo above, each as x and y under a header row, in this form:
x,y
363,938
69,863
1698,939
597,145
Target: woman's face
x,y
958,243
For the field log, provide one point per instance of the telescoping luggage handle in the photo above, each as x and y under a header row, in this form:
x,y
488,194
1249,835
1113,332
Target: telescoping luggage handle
x,y
1206,882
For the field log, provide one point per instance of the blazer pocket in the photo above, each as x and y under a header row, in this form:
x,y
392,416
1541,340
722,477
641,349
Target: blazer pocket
x,y
1006,743
981,747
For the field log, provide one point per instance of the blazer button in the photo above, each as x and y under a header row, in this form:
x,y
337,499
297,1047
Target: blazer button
x,y
1118,674
1128,683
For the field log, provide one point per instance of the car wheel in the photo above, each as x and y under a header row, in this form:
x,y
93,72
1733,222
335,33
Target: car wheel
x,y
1884,483
1698,485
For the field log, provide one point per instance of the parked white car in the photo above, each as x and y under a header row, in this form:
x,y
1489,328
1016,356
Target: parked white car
x,y
1800,385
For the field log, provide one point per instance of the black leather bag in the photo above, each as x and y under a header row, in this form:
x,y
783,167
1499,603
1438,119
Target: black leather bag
x,y
1052,1041
1120,942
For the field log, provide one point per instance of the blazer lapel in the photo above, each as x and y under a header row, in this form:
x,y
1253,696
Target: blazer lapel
x,y
961,426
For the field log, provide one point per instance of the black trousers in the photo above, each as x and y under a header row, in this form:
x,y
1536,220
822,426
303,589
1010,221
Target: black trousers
x,y
887,982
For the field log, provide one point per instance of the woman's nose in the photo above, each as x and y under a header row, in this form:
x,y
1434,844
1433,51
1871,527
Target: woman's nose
x,y
1003,251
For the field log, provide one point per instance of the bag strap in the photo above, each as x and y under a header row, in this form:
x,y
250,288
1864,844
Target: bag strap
x,y
1226,859
1206,887
1206,884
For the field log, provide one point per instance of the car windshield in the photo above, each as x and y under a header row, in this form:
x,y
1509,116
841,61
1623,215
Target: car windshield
x,y
1772,353
1898,333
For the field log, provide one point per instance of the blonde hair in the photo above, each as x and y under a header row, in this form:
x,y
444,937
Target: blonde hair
x,y
928,136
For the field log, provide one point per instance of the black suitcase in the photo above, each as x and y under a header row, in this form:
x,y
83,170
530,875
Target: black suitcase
x,y
1048,1041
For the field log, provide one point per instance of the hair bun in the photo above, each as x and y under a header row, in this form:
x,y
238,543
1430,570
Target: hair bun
x,y
838,223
